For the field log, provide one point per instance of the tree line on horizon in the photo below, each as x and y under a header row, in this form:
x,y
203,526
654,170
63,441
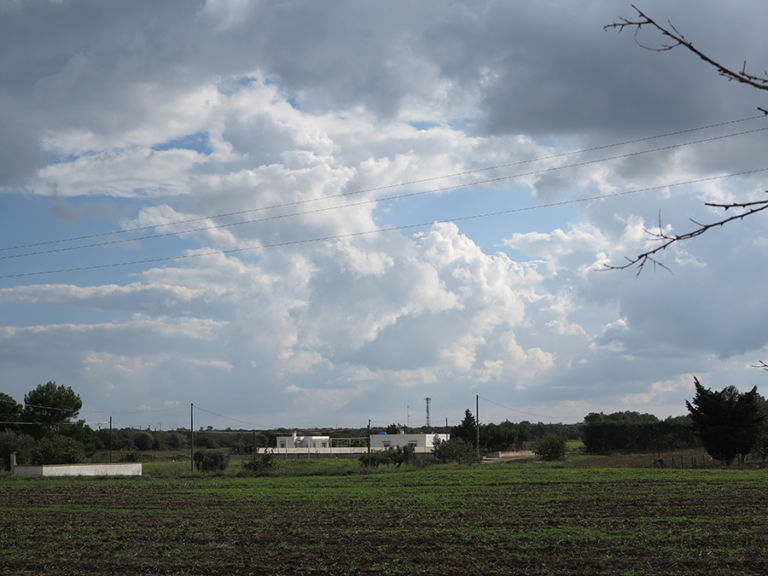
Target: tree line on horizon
x,y
726,423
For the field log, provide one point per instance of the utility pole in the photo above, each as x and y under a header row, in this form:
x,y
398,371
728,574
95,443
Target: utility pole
x,y
369,436
477,422
110,439
191,437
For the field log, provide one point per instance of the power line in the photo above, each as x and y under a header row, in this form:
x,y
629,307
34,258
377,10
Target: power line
x,y
519,411
283,244
142,411
54,408
379,200
39,407
19,423
390,186
233,418
89,411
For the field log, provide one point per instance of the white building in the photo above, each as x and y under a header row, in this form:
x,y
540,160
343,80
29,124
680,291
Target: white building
x,y
309,446
310,442
420,442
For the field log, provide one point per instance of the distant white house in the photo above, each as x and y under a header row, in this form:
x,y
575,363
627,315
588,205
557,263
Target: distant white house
x,y
420,442
300,446
310,442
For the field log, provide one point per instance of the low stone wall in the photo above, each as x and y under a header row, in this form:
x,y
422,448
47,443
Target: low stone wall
x,y
126,469
336,452
510,455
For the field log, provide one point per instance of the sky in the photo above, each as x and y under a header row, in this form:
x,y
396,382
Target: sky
x,y
316,214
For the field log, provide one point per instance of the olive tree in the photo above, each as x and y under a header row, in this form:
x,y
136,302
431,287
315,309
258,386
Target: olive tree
x,y
550,447
454,450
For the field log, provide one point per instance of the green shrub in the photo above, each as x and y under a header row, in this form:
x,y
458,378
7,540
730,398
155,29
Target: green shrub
x,y
398,455
550,447
376,458
211,460
129,455
12,441
143,440
58,449
454,450
260,464
402,455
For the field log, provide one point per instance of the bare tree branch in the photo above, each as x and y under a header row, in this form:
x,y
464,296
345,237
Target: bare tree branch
x,y
745,209
672,38
677,39
762,364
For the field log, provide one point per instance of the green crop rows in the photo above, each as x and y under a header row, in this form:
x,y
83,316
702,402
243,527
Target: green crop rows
x,y
496,519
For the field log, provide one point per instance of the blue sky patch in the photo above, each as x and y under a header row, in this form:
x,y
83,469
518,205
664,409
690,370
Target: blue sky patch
x,y
199,142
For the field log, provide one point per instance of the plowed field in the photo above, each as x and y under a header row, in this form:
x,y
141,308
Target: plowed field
x,y
485,520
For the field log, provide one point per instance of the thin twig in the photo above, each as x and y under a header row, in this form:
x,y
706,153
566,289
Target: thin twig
x,y
750,208
671,39
677,39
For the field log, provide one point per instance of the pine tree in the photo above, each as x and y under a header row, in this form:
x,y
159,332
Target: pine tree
x,y
727,422
467,430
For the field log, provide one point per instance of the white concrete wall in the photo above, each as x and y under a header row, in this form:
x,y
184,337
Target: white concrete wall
x,y
27,470
337,450
128,469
